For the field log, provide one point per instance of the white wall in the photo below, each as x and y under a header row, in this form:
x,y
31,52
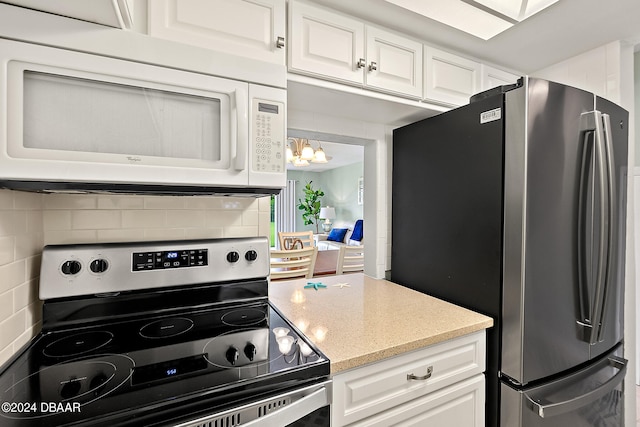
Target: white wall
x,y
608,72
28,221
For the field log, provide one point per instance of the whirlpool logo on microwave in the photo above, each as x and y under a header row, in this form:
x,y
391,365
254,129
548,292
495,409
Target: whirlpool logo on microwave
x,y
134,159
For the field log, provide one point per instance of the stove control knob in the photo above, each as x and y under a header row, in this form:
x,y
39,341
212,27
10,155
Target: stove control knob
x,y
233,257
250,351
71,267
70,389
232,355
99,265
251,255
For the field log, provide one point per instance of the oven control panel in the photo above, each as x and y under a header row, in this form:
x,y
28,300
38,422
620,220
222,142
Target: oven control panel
x,y
110,268
169,259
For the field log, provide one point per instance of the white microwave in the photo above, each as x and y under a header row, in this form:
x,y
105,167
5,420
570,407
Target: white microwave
x,y
74,121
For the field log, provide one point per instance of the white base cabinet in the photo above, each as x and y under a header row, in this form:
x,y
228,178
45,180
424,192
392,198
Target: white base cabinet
x,y
438,385
459,405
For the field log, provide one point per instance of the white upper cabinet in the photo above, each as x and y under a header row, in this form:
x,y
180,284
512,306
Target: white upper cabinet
x,y
492,77
449,78
336,47
394,63
325,43
251,28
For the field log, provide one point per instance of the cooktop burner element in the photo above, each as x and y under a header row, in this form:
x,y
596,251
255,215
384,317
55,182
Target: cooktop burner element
x,y
79,343
166,328
155,355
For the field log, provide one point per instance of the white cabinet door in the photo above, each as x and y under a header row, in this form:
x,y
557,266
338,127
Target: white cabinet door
x,y
390,383
460,405
492,77
449,78
326,44
251,28
394,63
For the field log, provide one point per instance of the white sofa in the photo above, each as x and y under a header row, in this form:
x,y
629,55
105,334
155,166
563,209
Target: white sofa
x,y
329,245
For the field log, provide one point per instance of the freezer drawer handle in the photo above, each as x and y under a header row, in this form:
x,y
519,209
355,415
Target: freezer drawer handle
x,y
552,409
421,378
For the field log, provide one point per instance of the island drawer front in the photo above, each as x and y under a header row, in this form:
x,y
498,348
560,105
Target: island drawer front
x,y
459,405
368,390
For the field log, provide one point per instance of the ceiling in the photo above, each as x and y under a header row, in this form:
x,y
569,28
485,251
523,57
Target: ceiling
x,y
563,30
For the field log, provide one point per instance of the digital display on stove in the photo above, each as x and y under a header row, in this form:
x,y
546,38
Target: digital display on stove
x,y
161,260
168,369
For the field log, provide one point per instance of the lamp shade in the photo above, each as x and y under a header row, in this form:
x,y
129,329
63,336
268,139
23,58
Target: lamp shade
x,y
327,213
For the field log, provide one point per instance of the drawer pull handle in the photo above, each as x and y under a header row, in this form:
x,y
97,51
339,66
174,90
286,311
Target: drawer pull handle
x,y
423,377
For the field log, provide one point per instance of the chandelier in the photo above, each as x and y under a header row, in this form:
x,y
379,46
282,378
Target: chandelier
x,y
300,152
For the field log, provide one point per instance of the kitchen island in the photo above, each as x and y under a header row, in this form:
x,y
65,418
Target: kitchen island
x,y
395,353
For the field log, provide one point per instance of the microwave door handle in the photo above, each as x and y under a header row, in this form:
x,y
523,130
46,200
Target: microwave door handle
x,y
239,131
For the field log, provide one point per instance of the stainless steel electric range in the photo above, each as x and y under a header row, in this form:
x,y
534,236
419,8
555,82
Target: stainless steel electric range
x,y
163,334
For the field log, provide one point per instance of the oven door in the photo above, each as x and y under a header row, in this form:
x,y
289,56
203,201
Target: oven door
x,y
297,408
71,116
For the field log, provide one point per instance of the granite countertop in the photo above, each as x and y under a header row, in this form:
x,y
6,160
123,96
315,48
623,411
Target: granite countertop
x,y
371,319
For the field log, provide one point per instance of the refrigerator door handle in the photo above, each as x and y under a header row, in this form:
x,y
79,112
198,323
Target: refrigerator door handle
x,y
595,207
611,223
546,409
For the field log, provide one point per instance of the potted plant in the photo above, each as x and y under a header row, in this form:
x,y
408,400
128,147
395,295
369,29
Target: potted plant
x,y
310,207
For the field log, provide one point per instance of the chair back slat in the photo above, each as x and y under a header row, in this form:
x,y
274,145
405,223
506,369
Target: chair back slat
x,y
294,263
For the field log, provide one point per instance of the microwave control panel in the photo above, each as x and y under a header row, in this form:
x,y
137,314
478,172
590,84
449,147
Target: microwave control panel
x,y
268,136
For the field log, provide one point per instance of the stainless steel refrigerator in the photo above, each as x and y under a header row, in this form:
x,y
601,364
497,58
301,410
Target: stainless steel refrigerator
x,y
514,206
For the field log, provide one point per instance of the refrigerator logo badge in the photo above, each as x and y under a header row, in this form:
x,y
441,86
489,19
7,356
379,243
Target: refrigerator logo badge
x,y
490,116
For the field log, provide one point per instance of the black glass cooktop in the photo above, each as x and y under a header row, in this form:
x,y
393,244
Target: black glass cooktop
x,y
146,371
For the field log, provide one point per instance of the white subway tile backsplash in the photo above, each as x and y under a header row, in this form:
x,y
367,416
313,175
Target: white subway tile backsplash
x,y
186,218
164,233
59,237
6,199
204,233
120,235
9,221
13,274
250,217
12,328
28,245
7,250
95,219
120,202
6,305
144,219
164,202
69,201
27,201
56,220
240,231
230,218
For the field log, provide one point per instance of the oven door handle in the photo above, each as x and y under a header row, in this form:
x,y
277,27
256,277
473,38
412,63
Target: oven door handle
x,y
293,412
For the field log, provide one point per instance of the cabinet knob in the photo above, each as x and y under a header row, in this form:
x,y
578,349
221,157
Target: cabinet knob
x,y
421,378
373,66
280,42
361,63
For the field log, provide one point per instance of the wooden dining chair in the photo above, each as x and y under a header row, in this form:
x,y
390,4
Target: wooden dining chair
x,y
293,263
288,239
350,259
